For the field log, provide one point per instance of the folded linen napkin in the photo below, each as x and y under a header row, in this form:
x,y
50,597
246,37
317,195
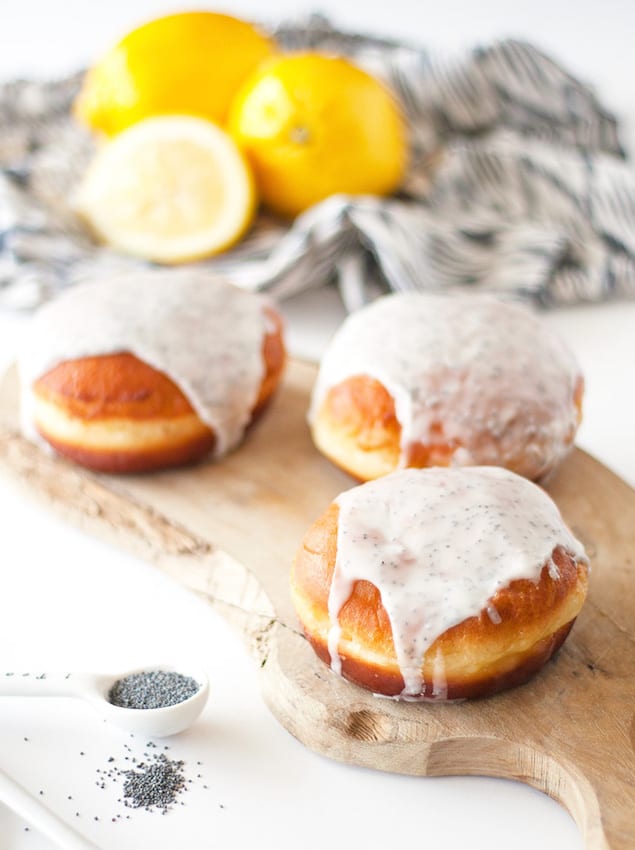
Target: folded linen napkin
x,y
517,183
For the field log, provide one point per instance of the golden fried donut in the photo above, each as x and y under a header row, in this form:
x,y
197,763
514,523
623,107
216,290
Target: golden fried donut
x,y
113,412
417,380
439,584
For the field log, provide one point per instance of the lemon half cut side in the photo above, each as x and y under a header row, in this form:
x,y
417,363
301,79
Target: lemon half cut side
x,y
168,189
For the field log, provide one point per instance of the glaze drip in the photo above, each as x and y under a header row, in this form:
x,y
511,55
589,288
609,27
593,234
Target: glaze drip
x,y
201,331
438,544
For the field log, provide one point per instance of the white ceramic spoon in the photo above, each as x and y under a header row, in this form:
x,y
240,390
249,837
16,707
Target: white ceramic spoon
x,y
94,688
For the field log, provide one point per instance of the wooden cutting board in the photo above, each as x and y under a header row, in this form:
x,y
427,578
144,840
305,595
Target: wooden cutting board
x,y
229,531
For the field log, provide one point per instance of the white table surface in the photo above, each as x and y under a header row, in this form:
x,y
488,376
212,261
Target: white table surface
x,y
69,602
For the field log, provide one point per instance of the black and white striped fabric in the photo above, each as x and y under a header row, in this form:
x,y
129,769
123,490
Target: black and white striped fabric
x,y
517,183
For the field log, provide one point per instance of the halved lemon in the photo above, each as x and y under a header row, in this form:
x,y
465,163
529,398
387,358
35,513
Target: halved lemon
x,y
168,189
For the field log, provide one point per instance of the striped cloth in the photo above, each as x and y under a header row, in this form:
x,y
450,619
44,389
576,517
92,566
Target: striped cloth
x,y
517,183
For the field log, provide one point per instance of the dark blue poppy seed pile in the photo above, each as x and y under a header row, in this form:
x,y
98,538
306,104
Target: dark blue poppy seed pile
x,y
152,783
152,689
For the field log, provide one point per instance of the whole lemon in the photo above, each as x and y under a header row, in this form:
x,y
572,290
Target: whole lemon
x,y
188,63
313,125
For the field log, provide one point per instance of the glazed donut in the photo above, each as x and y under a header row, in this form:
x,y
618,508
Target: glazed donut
x,y
149,370
416,380
439,584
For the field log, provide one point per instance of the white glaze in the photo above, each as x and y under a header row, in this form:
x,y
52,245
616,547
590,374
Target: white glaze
x,y
438,544
497,380
201,331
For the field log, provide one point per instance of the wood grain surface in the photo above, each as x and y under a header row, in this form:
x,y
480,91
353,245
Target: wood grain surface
x,y
229,531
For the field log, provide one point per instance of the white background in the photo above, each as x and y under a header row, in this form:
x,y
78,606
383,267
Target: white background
x,y
68,602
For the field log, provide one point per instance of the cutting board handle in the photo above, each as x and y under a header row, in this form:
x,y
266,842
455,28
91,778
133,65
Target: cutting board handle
x,y
588,768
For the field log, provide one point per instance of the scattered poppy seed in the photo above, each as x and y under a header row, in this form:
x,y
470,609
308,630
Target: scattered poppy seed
x,y
153,783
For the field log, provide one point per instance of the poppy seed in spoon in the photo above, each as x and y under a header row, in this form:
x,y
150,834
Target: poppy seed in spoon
x,y
152,689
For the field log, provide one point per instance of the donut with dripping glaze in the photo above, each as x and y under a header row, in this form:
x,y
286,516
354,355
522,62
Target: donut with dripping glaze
x,y
418,380
111,410
439,584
